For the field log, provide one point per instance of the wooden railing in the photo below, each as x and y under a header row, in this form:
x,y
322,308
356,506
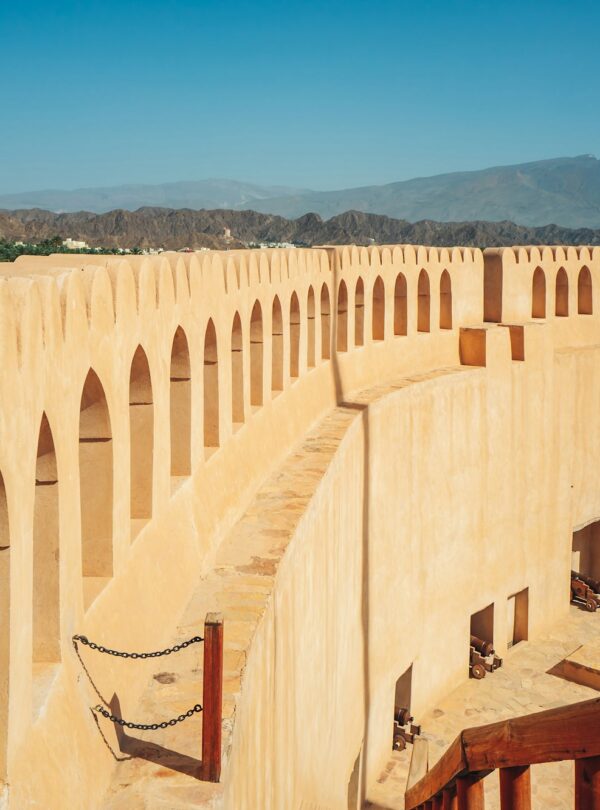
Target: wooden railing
x,y
567,733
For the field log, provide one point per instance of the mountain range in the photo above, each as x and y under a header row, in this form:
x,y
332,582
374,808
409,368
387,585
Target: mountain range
x,y
562,191
222,229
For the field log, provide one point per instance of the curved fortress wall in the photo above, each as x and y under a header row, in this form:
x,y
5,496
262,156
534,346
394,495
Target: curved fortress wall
x,y
142,403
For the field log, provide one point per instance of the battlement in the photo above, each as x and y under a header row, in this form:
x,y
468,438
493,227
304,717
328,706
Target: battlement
x,y
144,400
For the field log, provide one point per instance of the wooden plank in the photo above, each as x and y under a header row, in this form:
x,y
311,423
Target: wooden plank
x,y
443,772
587,784
515,788
567,732
469,790
212,706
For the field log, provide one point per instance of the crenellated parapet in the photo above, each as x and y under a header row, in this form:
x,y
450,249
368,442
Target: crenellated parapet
x,y
144,399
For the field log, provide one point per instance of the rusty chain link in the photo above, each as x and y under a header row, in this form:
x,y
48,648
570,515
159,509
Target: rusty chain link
x,y
147,726
93,646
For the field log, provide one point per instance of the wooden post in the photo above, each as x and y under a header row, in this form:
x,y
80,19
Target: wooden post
x,y
469,790
515,788
212,701
449,799
436,803
587,784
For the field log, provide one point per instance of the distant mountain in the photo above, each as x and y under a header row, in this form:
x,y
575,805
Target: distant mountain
x,y
175,229
194,194
565,191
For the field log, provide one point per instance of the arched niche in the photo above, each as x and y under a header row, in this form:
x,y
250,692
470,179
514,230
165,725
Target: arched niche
x,y
276,347
584,292
424,303
141,441
256,356
180,405
95,488
325,323
378,314
538,294
310,320
342,318
561,307
400,306
46,555
294,336
211,387
359,313
237,371
445,301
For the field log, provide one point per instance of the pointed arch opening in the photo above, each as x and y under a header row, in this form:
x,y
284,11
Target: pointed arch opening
x,y
325,323
211,387
276,347
342,318
141,427
538,294
400,306
237,372
95,488
424,303
310,319
359,313
46,556
256,356
378,318
294,336
5,625
561,308
180,405
584,292
445,301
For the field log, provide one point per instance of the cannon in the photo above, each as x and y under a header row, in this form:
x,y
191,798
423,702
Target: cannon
x,y
480,653
582,594
594,584
404,729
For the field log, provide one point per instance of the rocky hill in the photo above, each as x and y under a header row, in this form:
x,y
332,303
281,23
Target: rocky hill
x,y
176,229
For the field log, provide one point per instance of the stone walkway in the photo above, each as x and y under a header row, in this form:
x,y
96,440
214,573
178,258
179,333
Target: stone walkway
x,y
521,686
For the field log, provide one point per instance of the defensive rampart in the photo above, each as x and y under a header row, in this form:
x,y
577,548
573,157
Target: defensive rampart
x,y
144,401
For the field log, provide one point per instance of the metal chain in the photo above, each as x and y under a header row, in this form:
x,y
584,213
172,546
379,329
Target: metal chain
x,y
157,654
147,726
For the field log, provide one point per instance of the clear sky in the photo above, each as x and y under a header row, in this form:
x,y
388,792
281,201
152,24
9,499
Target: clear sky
x,y
302,93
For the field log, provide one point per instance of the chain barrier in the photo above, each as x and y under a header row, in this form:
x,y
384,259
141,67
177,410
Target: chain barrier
x,y
119,720
93,646
147,726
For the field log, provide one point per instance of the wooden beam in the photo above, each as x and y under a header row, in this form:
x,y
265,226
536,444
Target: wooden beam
x,y
212,705
567,732
469,790
587,783
515,788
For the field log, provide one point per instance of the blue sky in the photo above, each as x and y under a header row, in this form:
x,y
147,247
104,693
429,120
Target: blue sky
x,y
311,94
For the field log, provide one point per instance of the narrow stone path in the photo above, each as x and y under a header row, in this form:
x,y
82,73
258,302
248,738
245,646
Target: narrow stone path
x,y
521,686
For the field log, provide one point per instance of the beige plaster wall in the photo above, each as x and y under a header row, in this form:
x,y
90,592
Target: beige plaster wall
x,y
62,316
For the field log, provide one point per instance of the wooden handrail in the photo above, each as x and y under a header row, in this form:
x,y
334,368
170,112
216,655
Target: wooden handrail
x,y
568,732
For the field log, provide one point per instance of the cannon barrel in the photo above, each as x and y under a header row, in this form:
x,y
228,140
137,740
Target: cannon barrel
x,y
403,716
483,647
594,584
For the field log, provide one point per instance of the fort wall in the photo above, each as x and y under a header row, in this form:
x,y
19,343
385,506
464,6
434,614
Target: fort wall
x,y
448,492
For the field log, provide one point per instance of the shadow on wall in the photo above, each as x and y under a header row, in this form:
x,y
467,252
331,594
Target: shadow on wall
x,y
359,772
